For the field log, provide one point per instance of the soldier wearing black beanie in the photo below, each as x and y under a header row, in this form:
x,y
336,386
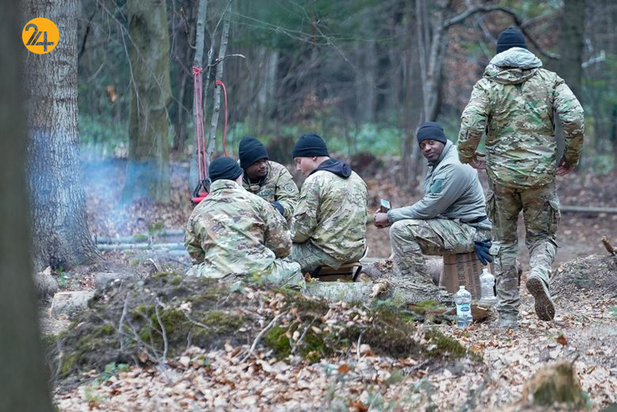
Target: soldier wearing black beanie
x,y
431,131
250,151
267,179
224,168
309,145
509,38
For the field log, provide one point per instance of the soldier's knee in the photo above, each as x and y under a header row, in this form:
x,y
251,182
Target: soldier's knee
x,y
403,229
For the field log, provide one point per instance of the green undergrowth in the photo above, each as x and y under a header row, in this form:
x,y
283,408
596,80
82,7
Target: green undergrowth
x,y
158,318
150,319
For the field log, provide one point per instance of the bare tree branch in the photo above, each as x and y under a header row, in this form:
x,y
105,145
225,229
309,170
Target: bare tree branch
x,y
517,20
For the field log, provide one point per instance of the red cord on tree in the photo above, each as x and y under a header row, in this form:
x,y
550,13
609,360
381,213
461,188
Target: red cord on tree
x,y
200,133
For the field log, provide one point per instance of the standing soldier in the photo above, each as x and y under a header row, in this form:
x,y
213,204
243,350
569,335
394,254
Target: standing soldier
x,y
515,102
267,179
233,233
329,224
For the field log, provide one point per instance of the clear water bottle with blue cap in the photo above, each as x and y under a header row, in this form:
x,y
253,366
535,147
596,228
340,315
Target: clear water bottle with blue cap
x,y
463,307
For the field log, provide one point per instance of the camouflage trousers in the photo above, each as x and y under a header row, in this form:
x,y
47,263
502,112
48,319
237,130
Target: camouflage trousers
x,y
310,257
540,207
282,272
411,239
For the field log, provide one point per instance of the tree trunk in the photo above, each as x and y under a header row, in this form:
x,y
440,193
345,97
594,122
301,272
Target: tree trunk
x,y
198,104
23,381
181,51
211,143
413,100
60,227
366,82
263,104
147,172
571,44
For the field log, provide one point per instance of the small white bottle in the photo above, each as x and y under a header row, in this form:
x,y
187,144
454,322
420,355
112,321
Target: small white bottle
x,y
487,284
463,307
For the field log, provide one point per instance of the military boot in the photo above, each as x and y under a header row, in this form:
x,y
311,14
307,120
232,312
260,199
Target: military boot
x,y
506,321
545,308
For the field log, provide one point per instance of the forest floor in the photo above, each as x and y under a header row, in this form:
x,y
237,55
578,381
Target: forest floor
x,y
584,331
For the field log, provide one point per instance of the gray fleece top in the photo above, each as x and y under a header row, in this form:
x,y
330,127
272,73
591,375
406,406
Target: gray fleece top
x,y
451,191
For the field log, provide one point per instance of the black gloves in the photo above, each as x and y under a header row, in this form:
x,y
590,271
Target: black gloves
x,y
280,208
482,250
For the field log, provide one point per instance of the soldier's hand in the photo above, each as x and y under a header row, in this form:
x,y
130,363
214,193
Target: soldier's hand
x,y
478,161
381,220
563,168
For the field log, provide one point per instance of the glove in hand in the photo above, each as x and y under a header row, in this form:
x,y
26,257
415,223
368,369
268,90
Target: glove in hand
x,y
482,251
278,207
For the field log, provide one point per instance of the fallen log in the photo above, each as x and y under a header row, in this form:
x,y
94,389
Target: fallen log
x,y
141,246
588,209
140,237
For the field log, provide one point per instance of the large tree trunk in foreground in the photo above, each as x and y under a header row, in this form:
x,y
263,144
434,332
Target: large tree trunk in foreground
x,y
60,227
147,173
23,383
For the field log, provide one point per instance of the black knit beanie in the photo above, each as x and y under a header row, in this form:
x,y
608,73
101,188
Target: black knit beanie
x,y
431,131
508,38
310,145
224,168
251,150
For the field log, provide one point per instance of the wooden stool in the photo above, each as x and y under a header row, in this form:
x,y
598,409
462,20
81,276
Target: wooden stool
x,y
348,271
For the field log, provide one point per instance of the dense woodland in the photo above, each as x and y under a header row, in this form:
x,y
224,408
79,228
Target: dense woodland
x,y
361,73
99,140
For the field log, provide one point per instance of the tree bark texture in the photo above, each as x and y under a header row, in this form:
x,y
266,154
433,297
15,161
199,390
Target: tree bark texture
x,y
148,168
413,100
23,381
211,141
60,227
200,34
571,43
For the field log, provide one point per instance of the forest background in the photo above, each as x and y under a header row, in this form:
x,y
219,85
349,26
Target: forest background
x,y
363,74
110,148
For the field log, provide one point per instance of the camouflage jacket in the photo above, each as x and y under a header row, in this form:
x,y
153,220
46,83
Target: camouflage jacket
x,y
236,232
278,185
331,214
515,102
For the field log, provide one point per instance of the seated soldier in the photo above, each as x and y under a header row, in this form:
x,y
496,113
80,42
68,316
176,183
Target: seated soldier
x,y
449,219
268,180
329,224
233,233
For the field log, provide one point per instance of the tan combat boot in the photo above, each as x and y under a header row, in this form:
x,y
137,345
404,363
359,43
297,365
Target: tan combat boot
x,y
545,308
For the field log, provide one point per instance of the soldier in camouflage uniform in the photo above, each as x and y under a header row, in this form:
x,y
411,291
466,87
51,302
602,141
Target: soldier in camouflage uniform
x,y
449,219
515,102
269,180
234,234
329,224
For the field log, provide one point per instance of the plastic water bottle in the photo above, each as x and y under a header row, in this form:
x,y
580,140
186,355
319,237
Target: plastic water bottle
x,y
463,307
487,284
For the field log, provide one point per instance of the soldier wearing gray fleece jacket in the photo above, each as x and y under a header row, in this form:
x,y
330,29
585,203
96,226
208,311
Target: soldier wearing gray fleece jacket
x,y
451,216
